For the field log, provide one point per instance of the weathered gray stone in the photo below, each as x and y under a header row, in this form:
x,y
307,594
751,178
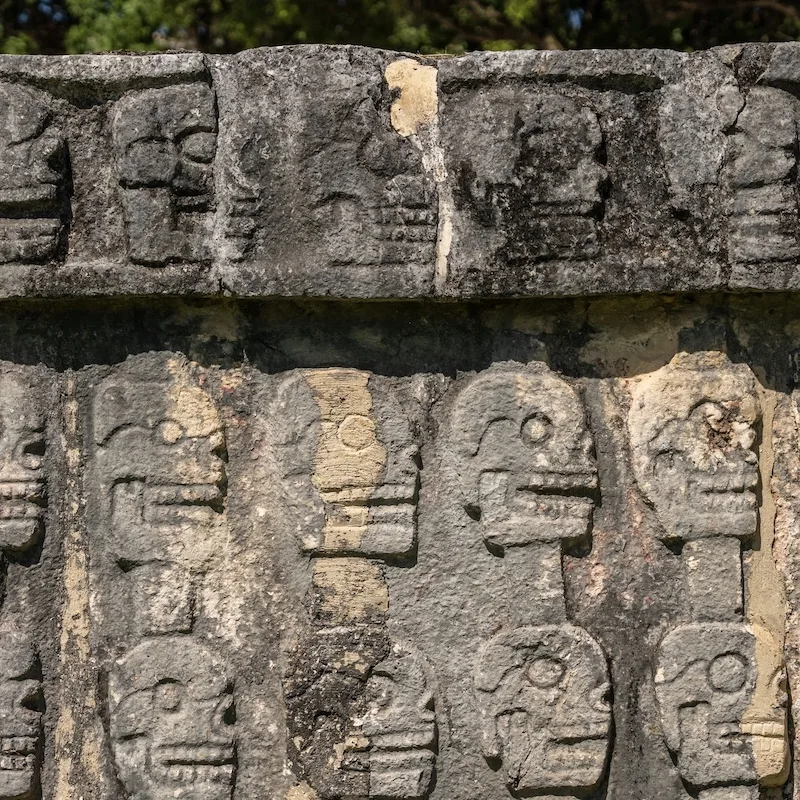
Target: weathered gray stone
x,y
257,544
350,172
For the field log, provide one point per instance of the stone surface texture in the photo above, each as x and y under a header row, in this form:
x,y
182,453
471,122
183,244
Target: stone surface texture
x,y
379,427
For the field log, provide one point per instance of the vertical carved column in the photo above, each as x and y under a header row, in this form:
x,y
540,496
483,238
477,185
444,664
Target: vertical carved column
x,y
159,472
720,683
528,474
361,711
23,502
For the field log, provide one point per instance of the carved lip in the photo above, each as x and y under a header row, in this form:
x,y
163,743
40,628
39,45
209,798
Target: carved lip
x,y
569,483
727,481
591,732
381,494
18,753
194,763
192,755
21,499
195,773
177,494
764,728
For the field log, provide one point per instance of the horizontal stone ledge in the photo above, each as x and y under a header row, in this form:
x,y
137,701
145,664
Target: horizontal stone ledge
x,y
352,172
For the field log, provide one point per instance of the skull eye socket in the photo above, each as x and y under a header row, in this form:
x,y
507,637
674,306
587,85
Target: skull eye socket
x,y
168,696
33,452
545,672
536,430
728,672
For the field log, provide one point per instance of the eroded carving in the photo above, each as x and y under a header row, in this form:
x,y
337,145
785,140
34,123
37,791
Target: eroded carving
x,y
348,462
23,488
692,431
760,178
543,695
400,725
32,177
361,717
161,457
21,739
171,711
721,689
533,172
164,145
362,197
527,471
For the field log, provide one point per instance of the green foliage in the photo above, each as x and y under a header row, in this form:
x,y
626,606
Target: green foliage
x,y
425,26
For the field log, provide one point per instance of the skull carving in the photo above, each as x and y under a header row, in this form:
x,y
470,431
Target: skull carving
x,y
171,711
527,469
721,690
22,447
401,727
349,463
20,717
32,178
692,430
164,142
542,694
531,173
161,456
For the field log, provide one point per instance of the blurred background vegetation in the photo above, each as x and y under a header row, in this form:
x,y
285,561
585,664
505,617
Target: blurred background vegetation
x,y
425,26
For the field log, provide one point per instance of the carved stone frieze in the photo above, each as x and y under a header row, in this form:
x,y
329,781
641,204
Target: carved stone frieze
x,y
377,426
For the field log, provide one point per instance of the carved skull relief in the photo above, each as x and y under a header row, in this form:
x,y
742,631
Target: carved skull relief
x,y
532,173
692,432
401,726
543,697
171,712
32,177
348,462
721,690
527,468
164,143
161,451
23,494
20,717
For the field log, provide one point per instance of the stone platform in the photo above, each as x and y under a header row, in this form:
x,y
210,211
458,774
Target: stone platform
x,y
379,426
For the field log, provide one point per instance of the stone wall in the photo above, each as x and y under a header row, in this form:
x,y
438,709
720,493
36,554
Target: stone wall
x,y
382,427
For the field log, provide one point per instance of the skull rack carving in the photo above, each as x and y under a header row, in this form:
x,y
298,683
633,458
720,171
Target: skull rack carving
x,y
349,464
719,682
160,471
527,474
23,499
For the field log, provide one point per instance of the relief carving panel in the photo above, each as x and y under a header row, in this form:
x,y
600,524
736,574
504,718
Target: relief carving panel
x,y
164,144
529,477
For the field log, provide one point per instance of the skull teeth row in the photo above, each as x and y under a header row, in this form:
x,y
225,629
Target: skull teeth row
x,y
18,745
195,773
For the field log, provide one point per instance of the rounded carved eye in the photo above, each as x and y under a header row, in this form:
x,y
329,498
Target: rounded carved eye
x,y
357,432
168,696
728,672
536,430
545,672
171,431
